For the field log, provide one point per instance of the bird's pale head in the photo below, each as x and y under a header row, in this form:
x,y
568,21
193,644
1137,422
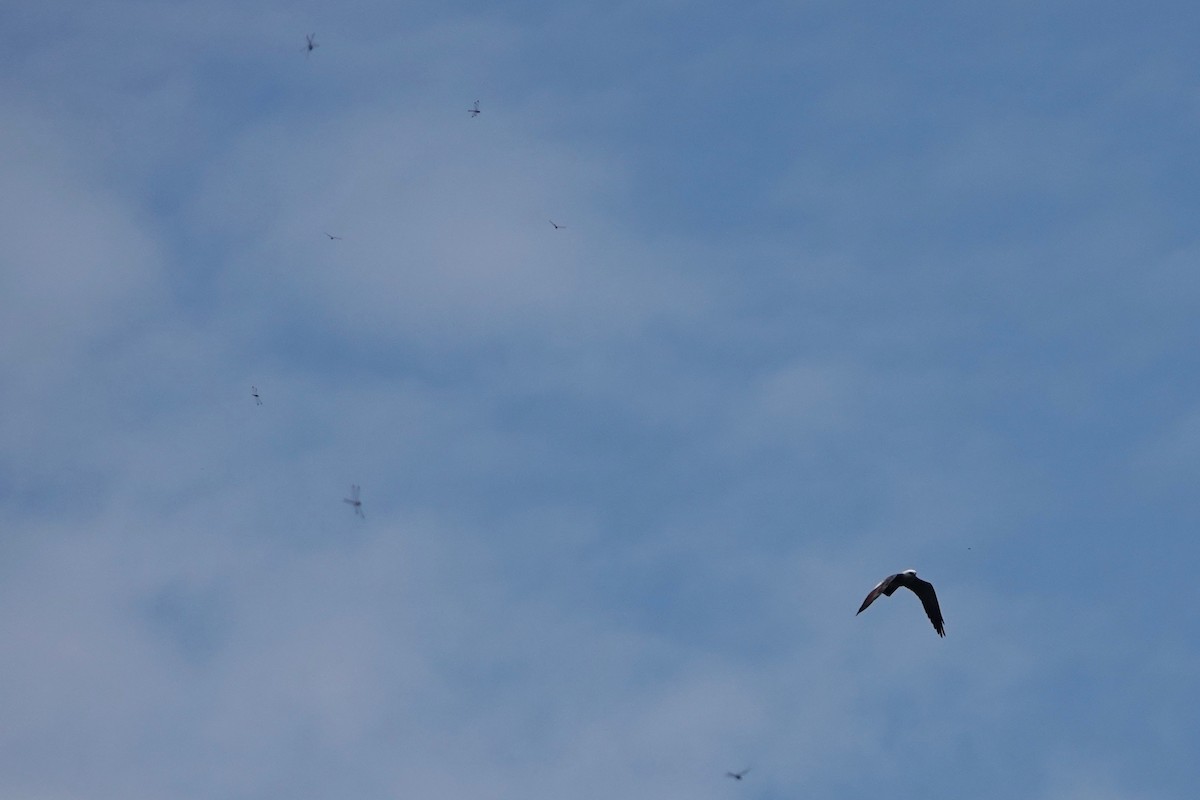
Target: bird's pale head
x,y
912,572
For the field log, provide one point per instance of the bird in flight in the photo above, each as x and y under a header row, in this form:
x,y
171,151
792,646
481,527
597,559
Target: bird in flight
x,y
311,43
922,589
354,500
737,776
332,237
474,112
254,394
556,225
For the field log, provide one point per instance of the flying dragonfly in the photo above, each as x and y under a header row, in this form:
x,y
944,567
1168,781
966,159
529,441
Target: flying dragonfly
x,y
556,225
737,776
332,237
254,394
474,112
310,43
355,501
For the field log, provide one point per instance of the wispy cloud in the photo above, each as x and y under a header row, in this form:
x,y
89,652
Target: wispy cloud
x,y
838,294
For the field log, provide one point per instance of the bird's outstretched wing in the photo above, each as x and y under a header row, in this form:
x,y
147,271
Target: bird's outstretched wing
x,y
924,590
879,589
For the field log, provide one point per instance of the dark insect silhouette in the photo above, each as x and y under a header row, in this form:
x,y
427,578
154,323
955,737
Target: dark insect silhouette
x,y
474,112
310,43
737,776
254,394
556,225
332,237
354,500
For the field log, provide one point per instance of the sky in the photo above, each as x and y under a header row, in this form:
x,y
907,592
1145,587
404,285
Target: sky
x,y
839,289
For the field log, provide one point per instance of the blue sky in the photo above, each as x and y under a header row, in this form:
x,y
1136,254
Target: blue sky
x,y
842,289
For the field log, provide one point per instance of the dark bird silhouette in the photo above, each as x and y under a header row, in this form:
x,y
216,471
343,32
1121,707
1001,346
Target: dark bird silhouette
x,y
354,500
556,225
310,43
254,394
332,237
737,776
474,112
922,589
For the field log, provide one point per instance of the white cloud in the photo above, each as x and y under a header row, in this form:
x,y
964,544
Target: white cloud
x,y
80,266
625,482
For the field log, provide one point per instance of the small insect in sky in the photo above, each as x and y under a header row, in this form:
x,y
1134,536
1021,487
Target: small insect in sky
x,y
254,394
311,43
737,776
332,237
354,500
474,112
556,225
